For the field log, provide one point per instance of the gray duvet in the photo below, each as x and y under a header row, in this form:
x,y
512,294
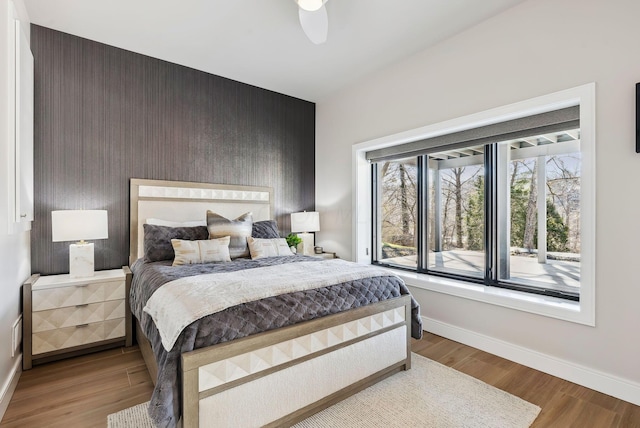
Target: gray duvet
x,y
242,320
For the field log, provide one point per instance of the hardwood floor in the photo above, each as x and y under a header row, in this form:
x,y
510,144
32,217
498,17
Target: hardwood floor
x,y
79,392
82,391
564,404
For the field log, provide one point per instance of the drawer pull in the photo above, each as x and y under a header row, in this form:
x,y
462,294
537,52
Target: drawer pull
x,y
82,325
81,285
82,306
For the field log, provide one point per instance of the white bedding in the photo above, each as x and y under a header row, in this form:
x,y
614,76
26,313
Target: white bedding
x,y
178,303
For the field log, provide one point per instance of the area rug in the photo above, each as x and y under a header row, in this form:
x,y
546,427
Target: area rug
x,y
429,395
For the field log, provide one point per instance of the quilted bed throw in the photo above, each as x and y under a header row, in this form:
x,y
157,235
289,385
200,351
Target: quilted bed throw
x,y
178,303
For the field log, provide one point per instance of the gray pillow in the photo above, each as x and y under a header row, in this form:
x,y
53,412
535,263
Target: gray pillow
x,y
157,240
239,230
266,229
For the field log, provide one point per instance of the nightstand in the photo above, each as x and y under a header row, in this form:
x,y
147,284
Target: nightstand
x,y
324,255
65,317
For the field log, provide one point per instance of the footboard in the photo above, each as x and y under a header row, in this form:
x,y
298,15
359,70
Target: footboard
x,y
282,376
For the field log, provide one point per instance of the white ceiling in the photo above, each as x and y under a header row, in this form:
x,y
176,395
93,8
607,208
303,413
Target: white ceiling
x,y
260,42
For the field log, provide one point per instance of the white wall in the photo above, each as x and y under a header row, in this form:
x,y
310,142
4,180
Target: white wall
x,y
533,49
15,252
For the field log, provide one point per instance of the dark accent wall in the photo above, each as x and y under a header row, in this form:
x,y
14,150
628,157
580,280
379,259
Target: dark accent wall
x,y
104,115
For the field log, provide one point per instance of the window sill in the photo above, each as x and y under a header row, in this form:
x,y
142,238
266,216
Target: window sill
x,y
537,304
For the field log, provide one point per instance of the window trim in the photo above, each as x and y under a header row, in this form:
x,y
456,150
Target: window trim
x,y
582,312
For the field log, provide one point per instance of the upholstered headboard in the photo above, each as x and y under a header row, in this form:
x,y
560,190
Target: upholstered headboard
x,y
181,201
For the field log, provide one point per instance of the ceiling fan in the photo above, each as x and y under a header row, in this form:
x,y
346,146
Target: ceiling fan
x,y
313,19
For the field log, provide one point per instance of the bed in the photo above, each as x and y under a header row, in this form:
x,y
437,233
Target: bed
x,y
267,362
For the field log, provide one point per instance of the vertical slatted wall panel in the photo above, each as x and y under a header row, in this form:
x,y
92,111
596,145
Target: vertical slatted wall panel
x,y
104,115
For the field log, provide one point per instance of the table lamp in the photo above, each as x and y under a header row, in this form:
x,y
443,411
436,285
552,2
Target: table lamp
x,y
78,225
302,224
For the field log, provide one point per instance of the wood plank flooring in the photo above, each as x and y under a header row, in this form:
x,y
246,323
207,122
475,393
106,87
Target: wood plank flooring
x,y
79,392
82,391
564,404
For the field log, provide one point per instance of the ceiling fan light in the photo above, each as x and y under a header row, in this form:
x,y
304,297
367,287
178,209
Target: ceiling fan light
x,y
315,24
310,5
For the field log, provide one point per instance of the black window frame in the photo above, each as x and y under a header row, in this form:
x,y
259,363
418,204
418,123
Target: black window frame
x,y
491,207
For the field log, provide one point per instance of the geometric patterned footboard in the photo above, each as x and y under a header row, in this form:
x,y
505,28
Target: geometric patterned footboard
x,y
290,373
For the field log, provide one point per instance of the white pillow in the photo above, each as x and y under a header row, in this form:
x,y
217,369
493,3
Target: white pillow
x,y
261,248
169,223
215,250
204,251
187,252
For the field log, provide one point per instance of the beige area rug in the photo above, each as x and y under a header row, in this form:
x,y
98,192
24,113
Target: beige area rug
x,y
428,395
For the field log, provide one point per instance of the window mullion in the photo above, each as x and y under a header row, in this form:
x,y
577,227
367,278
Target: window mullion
x,y
423,203
502,212
490,218
375,213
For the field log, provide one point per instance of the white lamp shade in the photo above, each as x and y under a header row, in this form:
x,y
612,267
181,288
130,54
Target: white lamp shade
x,y
78,225
305,222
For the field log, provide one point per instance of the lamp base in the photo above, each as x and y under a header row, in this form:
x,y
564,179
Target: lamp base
x,y
81,260
307,244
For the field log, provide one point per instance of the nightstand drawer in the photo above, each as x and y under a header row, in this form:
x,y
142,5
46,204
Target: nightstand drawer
x,y
75,315
65,316
77,294
67,337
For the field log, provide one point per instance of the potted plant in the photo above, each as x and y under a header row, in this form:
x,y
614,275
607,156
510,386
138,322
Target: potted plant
x,y
293,241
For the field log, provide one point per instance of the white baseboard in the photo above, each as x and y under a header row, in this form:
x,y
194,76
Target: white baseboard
x,y
9,385
594,379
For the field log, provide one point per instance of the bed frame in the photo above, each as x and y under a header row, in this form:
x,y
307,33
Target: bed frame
x,y
283,376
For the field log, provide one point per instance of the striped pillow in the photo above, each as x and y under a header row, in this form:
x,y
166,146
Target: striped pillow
x,y
239,230
187,252
215,250
261,248
205,251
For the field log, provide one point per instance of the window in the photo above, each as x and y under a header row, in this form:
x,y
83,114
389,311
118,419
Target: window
x,y
533,241
397,194
455,213
500,200
543,224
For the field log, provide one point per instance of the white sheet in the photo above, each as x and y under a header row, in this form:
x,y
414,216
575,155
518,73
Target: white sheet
x,y
178,303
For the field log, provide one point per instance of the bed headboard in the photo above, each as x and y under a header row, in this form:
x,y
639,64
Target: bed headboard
x,y
185,201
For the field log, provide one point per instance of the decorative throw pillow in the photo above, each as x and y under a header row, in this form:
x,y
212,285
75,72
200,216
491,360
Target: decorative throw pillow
x,y
215,250
239,230
187,252
204,251
157,240
261,248
266,229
